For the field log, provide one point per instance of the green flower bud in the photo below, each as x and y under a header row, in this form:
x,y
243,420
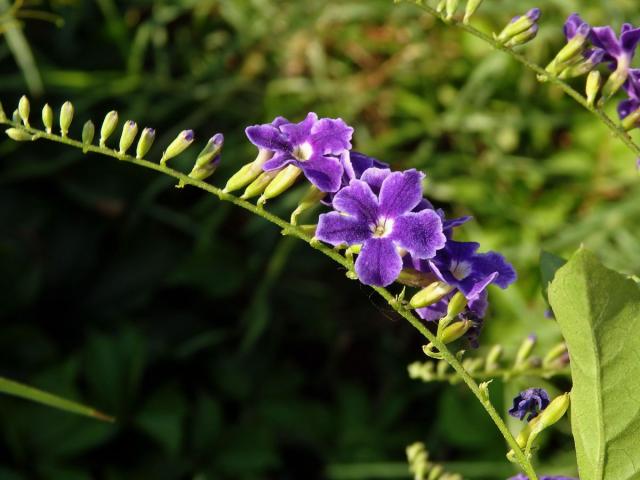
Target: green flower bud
x,y
145,141
3,117
470,9
451,7
281,183
128,135
557,355
15,118
455,331
47,118
441,6
310,200
549,416
66,117
457,304
519,25
615,81
414,278
208,159
179,145
109,125
493,358
18,135
574,47
435,472
88,132
259,185
24,108
248,173
594,83
524,37
430,294
441,368
525,351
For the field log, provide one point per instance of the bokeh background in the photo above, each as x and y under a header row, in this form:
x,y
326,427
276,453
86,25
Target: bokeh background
x,y
226,350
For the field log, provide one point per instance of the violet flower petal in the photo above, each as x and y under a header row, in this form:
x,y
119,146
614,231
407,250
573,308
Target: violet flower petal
x,y
400,193
358,200
374,178
324,172
331,136
419,233
298,133
378,263
268,137
336,229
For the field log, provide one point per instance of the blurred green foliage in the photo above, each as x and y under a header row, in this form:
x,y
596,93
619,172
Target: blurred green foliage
x,y
224,349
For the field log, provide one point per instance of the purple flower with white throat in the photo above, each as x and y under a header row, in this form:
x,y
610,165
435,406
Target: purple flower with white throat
x,y
376,212
619,52
529,402
313,145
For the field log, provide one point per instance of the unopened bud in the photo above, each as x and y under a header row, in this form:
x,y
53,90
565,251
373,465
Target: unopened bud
x,y
615,81
441,6
208,159
451,7
470,9
15,118
24,108
281,183
436,472
414,278
590,60
519,25
47,118
631,121
88,132
249,172
525,350
18,135
455,331
3,116
179,145
457,304
66,117
549,416
310,200
493,358
129,132
594,83
574,47
145,141
108,126
442,367
430,294
259,185
555,355
523,37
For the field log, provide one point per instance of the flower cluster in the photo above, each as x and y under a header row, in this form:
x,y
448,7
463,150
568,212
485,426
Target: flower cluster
x,y
382,216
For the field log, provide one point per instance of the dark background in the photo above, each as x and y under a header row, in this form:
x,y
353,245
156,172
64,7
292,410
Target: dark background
x,y
225,350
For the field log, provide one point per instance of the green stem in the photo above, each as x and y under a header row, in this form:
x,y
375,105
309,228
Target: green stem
x,y
503,373
568,89
298,232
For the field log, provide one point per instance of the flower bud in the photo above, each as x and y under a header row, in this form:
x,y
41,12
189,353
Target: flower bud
x,y
66,117
145,141
3,116
590,60
523,37
108,126
441,368
549,416
15,118
436,472
455,331
519,25
525,350
493,358
259,185
47,118
24,108
457,304
88,132
179,145
310,200
594,83
574,47
451,7
414,278
430,294
441,6
470,9
249,172
615,81
556,355
631,121
129,132
208,159
18,135
281,183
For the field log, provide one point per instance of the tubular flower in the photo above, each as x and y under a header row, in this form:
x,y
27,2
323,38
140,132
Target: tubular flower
x,y
313,145
531,402
376,212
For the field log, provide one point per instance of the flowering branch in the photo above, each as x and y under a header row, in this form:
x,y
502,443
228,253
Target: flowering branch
x,y
543,75
24,132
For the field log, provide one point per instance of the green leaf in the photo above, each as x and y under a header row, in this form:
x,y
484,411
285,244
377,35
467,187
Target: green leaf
x,y
549,265
598,311
29,393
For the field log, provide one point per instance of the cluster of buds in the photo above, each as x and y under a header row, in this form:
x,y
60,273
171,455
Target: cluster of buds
x,y
205,165
422,469
520,30
494,365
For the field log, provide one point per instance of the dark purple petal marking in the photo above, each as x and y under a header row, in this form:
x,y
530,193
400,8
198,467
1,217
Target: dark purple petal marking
x,y
268,137
337,229
400,193
358,200
378,263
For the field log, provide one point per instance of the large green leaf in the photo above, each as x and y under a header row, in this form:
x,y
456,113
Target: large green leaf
x,y
599,313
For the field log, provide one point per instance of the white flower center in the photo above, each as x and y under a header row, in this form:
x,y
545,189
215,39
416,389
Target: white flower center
x,y
383,228
303,152
460,270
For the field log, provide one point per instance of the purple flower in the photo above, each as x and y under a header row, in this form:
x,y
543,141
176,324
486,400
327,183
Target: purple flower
x,y
531,401
458,265
619,51
314,145
575,26
632,87
376,211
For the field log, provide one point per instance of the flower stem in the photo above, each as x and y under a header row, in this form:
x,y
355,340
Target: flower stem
x,y
298,232
617,131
